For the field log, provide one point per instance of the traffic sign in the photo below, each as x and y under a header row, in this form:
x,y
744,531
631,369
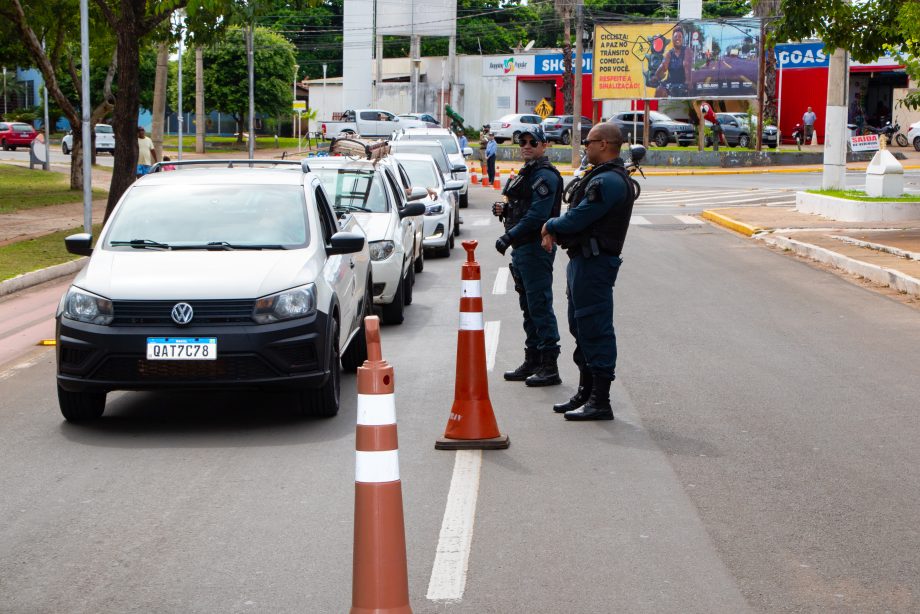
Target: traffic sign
x,y
543,108
300,106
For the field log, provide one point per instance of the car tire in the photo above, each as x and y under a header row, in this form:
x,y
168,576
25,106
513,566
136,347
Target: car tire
x,y
356,352
65,149
515,137
323,402
499,141
661,139
901,140
420,261
744,141
409,286
394,313
464,200
80,406
12,148
566,138
917,143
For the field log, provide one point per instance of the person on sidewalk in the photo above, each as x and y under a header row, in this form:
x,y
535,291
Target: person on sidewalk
x,y
593,231
532,198
491,152
808,120
483,144
146,154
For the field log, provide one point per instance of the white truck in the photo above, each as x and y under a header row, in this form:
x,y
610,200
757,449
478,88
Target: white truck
x,y
368,123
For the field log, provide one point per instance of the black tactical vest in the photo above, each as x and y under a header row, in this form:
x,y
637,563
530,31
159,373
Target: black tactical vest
x,y
608,234
519,192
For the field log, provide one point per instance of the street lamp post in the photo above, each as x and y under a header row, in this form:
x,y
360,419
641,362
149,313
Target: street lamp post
x,y
179,105
296,114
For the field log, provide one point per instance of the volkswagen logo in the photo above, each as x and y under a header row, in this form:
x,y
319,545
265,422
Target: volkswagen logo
x,y
182,313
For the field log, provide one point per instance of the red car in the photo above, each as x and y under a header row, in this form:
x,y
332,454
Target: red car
x,y
16,134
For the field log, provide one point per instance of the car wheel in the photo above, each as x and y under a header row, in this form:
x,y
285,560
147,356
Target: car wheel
x,y
917,143
65,149
323,402
566,138
3,146
464,200
394,312
515,137
499,141
420,261
356,352
12,148
409,285
902,140
661,139
744,141
81,406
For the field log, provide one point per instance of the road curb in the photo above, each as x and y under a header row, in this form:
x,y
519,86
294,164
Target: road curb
x,y
729,223
34,278
887,277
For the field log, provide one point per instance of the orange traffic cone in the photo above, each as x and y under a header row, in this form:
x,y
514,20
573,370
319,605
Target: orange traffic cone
x,y
380,581
474,178
498,182
485,180
471,425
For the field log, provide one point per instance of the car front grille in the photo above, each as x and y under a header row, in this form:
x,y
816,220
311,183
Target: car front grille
x,y
242,367
158,313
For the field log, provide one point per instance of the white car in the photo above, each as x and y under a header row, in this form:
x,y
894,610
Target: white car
x,y
436,151
913,135
427,120
511,126
412,193
105,140
370,191
452,147
439,208
216,278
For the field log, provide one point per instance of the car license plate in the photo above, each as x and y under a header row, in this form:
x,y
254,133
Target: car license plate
x,y
181,348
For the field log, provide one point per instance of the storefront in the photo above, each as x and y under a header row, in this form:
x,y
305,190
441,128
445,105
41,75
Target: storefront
x,y
546,82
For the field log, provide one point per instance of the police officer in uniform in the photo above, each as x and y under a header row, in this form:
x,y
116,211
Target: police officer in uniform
x,y
593,231
532,198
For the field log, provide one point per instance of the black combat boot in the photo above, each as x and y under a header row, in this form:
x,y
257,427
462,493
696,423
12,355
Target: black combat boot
x,y
548,373
585,383
528,368
598,406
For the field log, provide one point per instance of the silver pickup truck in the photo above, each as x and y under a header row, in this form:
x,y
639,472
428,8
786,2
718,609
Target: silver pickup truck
x,y
368,123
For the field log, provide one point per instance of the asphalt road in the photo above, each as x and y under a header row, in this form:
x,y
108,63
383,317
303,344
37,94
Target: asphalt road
x,y
763,459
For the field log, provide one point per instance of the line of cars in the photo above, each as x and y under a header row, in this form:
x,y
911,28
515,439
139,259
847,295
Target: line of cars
x,y
251,274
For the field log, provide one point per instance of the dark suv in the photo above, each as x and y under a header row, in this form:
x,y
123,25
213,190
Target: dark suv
x,y
559,128
664,130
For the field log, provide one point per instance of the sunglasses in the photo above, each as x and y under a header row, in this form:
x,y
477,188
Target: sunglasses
x,y
527,142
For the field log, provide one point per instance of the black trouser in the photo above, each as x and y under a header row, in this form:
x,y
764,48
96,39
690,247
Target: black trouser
x,y
490,165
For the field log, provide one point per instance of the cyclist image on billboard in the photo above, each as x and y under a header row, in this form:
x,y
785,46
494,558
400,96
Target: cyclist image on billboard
x,y
677,65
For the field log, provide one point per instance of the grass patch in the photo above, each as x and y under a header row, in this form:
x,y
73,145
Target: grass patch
x,y
33,254
859,195
228,143
21,188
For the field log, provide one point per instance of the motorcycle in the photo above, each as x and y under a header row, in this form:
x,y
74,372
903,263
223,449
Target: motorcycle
x,y
798,135
891,133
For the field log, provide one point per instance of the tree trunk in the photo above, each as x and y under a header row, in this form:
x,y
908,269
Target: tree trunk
x,y
125,118
201,119
159,98
769,8
76,160
568,77
239,127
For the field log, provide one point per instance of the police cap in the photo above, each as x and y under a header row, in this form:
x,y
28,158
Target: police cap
x,y
536,132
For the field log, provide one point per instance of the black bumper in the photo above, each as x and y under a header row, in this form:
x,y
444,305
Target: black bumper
x,y
286,355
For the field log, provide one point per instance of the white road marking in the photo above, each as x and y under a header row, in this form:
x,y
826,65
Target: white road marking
x,y
481,222
501,281
451,561
638,220
492,331
689,219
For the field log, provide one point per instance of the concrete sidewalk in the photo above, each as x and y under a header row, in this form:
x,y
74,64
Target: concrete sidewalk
x,y
887,254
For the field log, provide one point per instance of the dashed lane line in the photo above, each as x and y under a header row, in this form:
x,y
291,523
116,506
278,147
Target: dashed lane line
x,y
492,331
638,220
689,219
501,281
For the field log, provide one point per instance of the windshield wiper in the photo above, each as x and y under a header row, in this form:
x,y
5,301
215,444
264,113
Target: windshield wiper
x,y
141,244
224,245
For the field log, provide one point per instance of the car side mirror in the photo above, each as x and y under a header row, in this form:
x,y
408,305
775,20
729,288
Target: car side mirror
x,y
458,168
453,185
467,152
80,244
636,153
345,243
417,193
412,209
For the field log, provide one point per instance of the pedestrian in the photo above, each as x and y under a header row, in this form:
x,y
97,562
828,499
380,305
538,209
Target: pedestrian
x,y
146,154
463,141
491,152
532,198
483,143
593,231
808,119
168,167
858,114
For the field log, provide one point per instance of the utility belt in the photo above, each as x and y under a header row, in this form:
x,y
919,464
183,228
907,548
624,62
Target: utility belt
x,y
588,247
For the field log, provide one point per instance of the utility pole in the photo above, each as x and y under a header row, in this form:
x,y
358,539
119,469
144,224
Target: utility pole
x,y
579,58
201,119
252,92
835,148
296,116
179,102
85,104
761,84
47,164
4,92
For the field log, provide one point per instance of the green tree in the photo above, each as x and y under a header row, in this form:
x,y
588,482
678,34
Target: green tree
x,y
226,77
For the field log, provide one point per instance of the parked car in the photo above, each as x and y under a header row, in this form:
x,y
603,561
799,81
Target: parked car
x,y
437,152
16,134
427,120
663,129
452,147
511,126
371,192
737,134
105,140
216,278
913,135
367,123
770,134
559,128
439,207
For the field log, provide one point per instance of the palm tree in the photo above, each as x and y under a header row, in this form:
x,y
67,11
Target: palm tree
x,y
565,9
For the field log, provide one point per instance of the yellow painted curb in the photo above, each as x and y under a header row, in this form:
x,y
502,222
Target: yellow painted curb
x,y
47,342
727,222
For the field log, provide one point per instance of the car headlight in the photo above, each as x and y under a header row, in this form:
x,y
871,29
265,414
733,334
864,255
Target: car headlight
x,y
381,250
84,306
434,209
294,303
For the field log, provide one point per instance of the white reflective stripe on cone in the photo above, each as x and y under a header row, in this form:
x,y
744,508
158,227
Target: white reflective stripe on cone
x,y
472,288
376,409
471,321
376,466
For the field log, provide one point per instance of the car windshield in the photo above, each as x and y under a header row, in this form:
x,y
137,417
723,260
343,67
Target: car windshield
x,y
509,118
190,216
421,173
22,128
553,120
429,150
353,189
655,116
449,142
103,129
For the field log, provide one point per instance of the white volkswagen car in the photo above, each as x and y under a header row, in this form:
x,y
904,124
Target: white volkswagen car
x,y
216,278
105,140
440,215
511,126
369,190
452,147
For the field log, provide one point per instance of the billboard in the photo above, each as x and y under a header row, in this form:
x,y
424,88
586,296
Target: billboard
x,y
409,17
690,59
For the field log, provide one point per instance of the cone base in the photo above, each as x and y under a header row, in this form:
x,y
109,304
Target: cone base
x,y
494,443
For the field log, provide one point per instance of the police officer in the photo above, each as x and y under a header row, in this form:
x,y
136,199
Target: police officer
x,y
532,198
593,231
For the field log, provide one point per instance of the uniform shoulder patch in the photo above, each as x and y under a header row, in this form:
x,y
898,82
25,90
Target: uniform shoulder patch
x,y
540,187
593,190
